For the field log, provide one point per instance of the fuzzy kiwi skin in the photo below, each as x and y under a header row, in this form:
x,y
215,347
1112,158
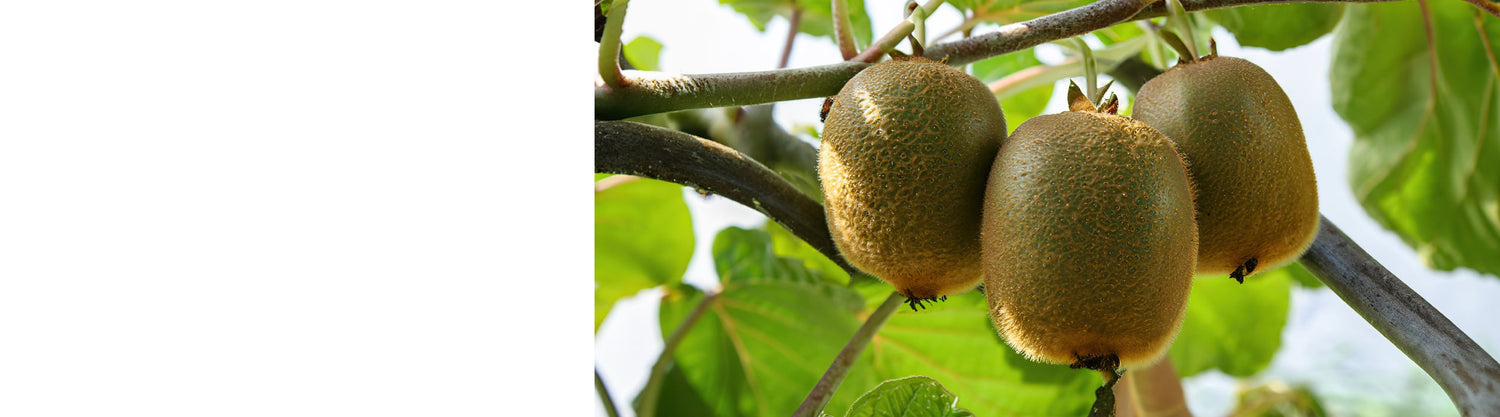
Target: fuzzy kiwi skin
x,y
1257,195
905,152
1089,239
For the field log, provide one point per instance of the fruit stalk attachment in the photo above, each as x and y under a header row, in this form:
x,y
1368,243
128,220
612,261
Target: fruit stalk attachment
x,y
829,383
609,45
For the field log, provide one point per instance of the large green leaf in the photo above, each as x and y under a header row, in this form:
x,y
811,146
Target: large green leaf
x,y
1426,119
913,396
1278,26
817,16
677,396
643,237
955,343
769,334
744,255
789,245
760,347
1233,327
643,53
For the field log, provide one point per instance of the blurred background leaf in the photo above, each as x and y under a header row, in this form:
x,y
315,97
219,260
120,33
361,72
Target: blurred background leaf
x,y
954,343
817,16
1426,120
643,238
643,52
1233,327
1278,26
766,338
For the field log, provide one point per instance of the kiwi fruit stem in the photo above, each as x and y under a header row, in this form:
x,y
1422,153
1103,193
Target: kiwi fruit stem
x,y
918,17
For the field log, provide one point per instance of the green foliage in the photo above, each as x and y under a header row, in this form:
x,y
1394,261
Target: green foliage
x,y
1011,11
643,238
1233,327
1302,277
789,245
643,52
1278,26
1017,105
955,343
1277,399
766,338
817,16
1427,133
913,396
747,255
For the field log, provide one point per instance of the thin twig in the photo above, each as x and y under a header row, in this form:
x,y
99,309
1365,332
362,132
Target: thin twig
x,y
843,31
888,42
656,92
829,383
609,46
604,397
668,155
652,392
1469,375
791,35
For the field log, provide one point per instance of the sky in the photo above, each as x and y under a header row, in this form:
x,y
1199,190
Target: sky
x,y
1325,343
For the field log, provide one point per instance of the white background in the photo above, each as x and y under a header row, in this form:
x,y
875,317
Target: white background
x,y
293,208
1325,344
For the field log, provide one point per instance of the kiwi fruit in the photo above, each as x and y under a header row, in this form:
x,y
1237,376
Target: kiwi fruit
x,y
1257,197
906,147
1088,239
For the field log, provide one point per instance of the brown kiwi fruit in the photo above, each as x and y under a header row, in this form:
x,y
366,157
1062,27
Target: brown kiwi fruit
x,y
1257,196
906,147
1089,240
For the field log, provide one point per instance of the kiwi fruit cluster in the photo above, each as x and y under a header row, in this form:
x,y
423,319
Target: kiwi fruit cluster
x,y
1086,226
906,147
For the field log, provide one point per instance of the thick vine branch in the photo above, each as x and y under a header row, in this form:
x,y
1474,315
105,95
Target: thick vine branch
x,y
655,92
1075,22
668,155
1469,375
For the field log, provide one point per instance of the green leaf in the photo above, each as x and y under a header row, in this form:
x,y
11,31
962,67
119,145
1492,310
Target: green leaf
x,y
1011,11
1303,278
1278,26
913,396
789,245
817,16
760,347
643,238
1022,103
677,397
1426,156
954,343
743,255
643,52
1028,84
1233,327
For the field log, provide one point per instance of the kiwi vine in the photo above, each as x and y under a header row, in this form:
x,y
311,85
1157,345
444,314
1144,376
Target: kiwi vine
x,y
938,285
